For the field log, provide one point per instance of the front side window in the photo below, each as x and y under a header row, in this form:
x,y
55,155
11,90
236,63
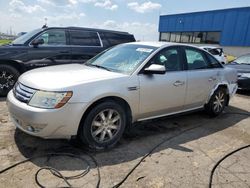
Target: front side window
x,y
53,37
123,58
84,38
196,59
170,58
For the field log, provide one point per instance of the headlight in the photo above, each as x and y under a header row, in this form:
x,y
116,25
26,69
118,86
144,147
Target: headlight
x,y
50,100
245,75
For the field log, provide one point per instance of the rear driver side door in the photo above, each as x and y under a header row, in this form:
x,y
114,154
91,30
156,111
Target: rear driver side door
x,y
202,77
84,45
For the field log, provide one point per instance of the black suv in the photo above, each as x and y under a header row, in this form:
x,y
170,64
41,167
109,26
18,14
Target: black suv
x,y
53,46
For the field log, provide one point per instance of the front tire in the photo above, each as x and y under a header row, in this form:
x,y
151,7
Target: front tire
x,y
104,125
8,78
217,102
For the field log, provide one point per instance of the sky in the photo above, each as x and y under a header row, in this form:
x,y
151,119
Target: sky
x,y
139,17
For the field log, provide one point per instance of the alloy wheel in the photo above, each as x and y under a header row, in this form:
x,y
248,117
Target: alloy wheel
x,y
219,101
6,80
105,125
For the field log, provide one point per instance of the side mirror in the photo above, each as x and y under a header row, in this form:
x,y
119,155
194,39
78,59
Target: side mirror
x,y
37,42
155,69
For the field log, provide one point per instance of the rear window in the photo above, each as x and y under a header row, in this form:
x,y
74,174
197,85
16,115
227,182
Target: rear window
x,y
114,38
84,38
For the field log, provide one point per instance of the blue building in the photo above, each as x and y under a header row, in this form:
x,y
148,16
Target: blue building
x,y
228,27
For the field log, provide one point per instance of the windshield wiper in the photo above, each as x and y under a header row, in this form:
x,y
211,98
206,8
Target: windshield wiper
x,y
99,66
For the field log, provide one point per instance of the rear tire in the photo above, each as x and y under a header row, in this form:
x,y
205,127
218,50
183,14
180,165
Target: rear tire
x,y
103,126
217,102
8,78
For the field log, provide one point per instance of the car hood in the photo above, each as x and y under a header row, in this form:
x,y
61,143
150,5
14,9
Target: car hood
x,y
57,78
241,68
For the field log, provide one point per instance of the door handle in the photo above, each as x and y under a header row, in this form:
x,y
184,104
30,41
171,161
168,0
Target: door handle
x,y
179,83
212,79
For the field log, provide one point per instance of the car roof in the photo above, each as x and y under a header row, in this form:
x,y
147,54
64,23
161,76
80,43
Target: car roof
x,y
161,44
90,29
211,47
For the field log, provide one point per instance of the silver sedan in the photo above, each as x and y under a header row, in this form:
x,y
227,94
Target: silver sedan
x,y
130,82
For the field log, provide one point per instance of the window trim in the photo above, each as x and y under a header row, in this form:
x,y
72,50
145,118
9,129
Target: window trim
x,y
72,45
62,45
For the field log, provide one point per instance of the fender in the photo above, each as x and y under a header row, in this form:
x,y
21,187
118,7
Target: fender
x,y
230,88
133,107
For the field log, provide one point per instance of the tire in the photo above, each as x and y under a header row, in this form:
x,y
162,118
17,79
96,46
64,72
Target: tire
x,y
217,102
8,78
97,131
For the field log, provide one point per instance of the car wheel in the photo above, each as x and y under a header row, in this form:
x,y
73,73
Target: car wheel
x,y
217,102
103,126
8,78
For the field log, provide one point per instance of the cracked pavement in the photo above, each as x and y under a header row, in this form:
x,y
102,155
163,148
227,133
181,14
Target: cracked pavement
x,y
184,161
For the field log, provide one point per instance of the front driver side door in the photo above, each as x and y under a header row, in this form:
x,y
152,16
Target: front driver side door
x,y
54,50
162,94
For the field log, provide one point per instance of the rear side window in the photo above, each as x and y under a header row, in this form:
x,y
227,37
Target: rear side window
x,y
114,38
196,59
84,38
214,62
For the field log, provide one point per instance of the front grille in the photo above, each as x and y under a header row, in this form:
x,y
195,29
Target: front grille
x,y
23,93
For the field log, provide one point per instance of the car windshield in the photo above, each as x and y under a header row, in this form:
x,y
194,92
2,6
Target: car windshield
x,y
245,59
123,58
23,38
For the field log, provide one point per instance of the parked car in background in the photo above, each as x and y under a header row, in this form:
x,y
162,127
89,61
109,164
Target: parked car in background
x,y
230,58
242,64
217,53
130,82
53,46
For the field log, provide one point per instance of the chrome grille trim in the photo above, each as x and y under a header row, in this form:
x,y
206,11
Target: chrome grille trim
x,y
23,93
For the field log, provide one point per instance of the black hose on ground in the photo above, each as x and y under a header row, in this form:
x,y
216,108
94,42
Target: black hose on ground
x,y
56,173
222,159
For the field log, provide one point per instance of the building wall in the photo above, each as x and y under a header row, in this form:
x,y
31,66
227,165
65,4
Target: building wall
x,y
234,24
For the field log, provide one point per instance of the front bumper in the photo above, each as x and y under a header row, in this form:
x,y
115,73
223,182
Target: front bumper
x,y
244,83
45,123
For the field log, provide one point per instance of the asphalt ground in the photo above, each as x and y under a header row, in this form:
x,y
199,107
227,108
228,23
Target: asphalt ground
x,y
197,143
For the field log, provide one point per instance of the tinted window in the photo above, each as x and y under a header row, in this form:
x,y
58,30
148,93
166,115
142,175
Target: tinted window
x,y
196,59
53,37
170,58
84,38
114,38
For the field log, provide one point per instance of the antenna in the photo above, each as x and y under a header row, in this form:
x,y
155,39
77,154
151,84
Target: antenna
x,y
45,24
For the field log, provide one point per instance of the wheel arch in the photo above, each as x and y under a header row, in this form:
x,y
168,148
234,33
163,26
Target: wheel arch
x,y
220,85
116,99
18,66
